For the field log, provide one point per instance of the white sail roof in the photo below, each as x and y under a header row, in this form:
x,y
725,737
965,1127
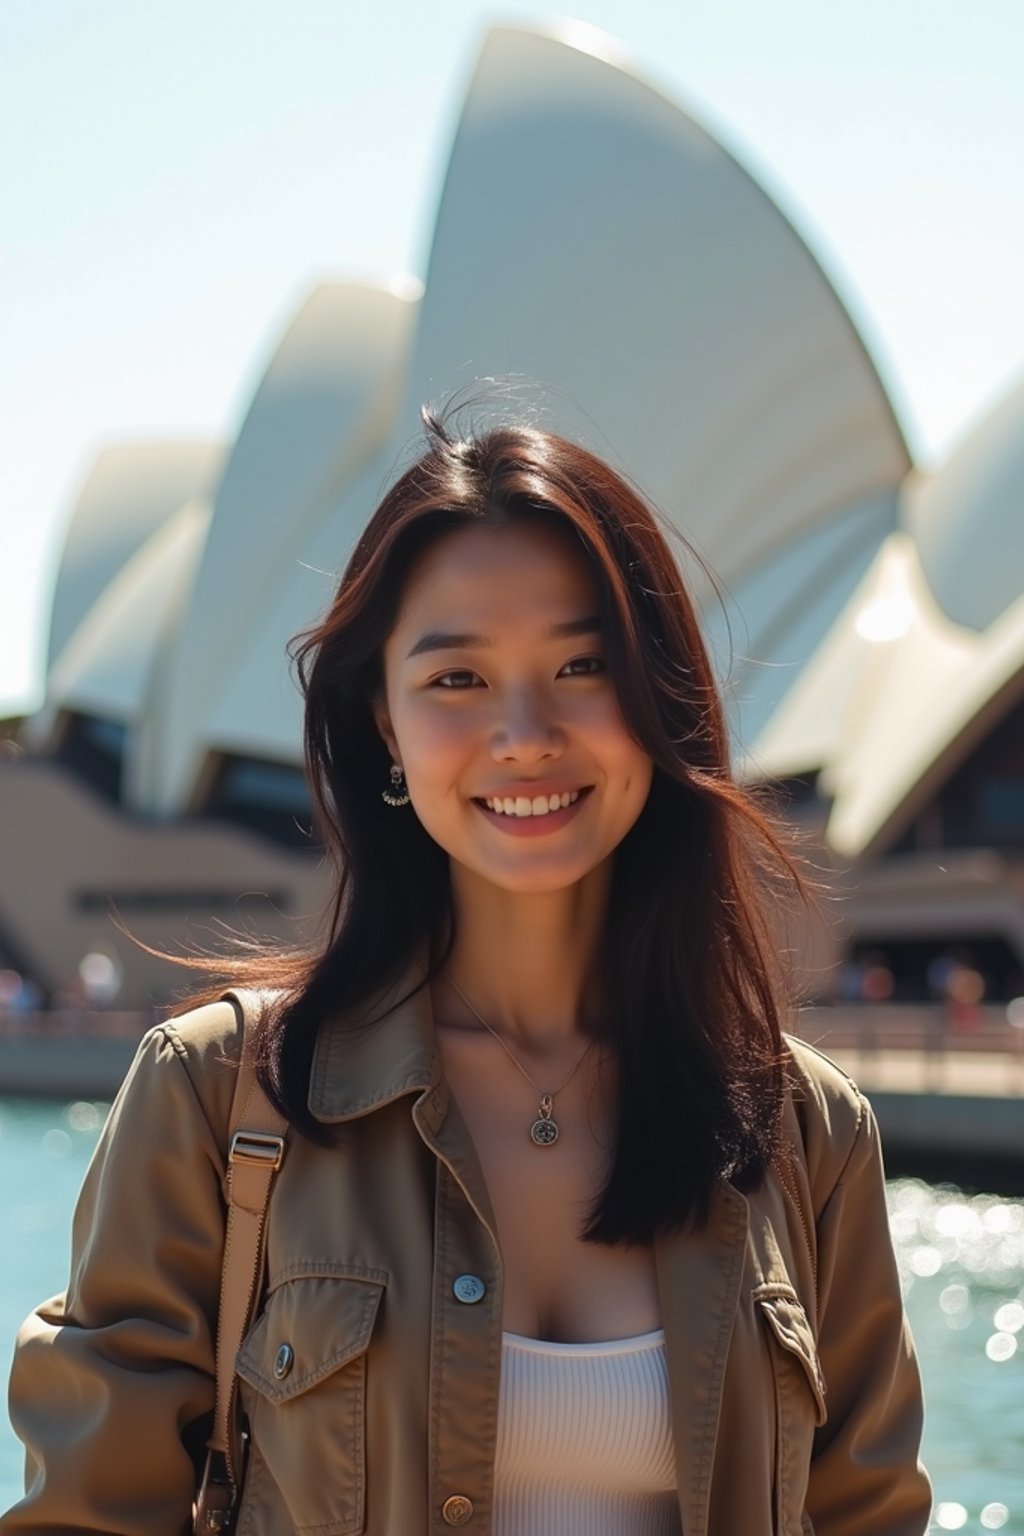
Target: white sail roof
x,y
317,421
968,519
105,668
900,691
675,318
131,490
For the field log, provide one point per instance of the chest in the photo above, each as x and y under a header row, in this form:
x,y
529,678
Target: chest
x,y
557,1286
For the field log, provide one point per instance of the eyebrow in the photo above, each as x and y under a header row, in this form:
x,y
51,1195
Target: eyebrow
x,y
437,640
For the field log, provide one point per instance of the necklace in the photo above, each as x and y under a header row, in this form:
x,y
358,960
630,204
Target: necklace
x,y
544,1130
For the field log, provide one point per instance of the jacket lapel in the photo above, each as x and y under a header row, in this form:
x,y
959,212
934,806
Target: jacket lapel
x,y
699,1278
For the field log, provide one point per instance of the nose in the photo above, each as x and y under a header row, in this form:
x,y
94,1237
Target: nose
x,y
528,730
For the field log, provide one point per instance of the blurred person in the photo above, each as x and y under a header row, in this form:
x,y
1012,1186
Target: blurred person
x,y
1015,1023
100,976
959,987
876,986
877,983
568,1234
70,1007
965,990
937,973
19,997
849,981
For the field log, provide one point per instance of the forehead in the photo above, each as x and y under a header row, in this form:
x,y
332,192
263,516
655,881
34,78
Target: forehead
x,y
485,576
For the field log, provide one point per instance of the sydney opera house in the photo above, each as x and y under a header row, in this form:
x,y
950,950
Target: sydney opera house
x,y
624,280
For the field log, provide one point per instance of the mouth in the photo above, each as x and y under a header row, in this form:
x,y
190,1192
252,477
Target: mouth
x,y
524,807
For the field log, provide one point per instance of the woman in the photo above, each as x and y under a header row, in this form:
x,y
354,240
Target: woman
x,y
568,1237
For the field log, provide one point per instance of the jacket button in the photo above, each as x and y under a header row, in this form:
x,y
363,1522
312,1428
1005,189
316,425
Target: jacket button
x,y
457,1509
468,1288
284,1361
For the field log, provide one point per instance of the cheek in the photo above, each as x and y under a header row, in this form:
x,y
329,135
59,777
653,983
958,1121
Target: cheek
x,y
634,767
643,778
430,739
610,735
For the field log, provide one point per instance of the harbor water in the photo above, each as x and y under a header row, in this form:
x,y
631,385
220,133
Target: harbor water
x,y
961,1258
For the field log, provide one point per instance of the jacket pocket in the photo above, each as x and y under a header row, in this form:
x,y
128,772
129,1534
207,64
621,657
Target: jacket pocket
x,y
788,1323
800,1406
305,1360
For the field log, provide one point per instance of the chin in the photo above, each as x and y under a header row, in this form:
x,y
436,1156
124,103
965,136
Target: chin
x,y
536,882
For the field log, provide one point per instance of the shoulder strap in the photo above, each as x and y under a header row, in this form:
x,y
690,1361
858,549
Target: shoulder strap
x,y
256,1145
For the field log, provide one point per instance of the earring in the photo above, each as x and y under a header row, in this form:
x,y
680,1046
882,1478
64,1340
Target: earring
x,y
397,794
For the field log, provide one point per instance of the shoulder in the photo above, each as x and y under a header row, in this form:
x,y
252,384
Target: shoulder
x,y
213,1032
196,1054
821,1082
833,1115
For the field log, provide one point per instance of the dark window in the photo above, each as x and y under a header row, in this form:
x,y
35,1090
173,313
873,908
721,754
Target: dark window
x,y
981,805
1000,805
268,798
93,749
797,792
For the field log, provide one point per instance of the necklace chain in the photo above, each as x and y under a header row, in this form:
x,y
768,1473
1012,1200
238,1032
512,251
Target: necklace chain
x,y
544,1130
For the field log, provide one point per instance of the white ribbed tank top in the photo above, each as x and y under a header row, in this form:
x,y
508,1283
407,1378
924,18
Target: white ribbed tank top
x,y
584,1442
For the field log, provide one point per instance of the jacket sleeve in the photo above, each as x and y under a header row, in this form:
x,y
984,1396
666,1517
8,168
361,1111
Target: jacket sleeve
x,y
865,1472
112,1381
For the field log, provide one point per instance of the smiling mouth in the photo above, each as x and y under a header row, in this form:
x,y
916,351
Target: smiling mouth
x,y
539,805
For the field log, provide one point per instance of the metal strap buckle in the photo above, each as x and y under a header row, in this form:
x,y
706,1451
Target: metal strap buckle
x,y
256,1147
213,1509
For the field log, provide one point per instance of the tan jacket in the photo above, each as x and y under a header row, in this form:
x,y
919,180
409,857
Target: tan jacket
x,y
795,1391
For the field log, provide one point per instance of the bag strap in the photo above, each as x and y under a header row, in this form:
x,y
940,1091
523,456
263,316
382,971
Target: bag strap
x,y
256,1145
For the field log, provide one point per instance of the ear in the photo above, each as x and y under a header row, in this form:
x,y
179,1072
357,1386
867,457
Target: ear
x,y
382,720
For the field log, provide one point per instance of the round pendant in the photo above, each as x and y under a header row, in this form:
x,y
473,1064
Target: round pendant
x,y
544,1132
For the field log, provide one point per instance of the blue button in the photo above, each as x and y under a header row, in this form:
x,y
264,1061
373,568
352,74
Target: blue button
x,y
468,1288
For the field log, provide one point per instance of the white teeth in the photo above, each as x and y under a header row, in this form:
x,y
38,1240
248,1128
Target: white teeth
x,y
540,806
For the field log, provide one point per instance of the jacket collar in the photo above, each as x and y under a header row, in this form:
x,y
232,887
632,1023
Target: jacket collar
x,y
361,1064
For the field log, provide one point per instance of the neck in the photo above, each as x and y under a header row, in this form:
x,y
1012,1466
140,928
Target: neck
x,y
527,963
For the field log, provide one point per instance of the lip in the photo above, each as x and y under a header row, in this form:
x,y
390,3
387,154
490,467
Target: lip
x,y
535,826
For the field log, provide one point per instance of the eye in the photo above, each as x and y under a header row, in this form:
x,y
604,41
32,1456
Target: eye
x,y
455,680
585,666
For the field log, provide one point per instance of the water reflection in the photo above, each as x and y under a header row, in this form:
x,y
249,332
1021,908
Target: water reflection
x,y
937,1228
961,1260
950,1516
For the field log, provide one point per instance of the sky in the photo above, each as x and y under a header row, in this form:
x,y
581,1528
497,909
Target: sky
x,y
178,174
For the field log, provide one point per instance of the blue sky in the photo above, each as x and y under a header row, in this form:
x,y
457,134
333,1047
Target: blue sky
x,y
178,173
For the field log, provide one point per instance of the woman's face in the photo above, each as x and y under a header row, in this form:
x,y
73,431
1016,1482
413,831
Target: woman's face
x,y
498,705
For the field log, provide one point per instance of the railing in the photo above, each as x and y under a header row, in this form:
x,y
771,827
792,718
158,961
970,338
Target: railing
x,y
854,1026
915,1026
923,1048
912,1047
79,1023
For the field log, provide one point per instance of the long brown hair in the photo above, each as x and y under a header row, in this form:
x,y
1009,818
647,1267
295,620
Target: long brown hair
x,y
694,991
